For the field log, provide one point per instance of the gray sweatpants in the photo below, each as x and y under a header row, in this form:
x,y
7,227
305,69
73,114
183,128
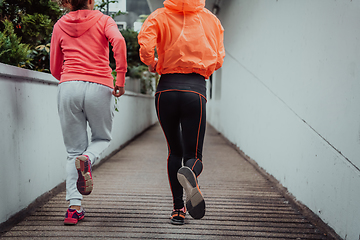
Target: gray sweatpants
x,y
80,103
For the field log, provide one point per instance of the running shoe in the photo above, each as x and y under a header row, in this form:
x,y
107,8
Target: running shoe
x,y
195,203
85,182
72,216
178,216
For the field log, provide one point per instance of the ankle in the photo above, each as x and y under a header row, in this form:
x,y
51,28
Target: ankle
x,y
78,208
183,209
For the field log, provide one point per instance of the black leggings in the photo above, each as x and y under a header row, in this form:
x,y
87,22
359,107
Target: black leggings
x,y
182,115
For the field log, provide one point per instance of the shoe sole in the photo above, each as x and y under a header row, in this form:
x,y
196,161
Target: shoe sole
x,y
176,222
80,166
70,222
195,203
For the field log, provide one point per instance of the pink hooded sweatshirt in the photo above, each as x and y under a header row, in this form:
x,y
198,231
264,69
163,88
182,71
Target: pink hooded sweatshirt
x,y
80,48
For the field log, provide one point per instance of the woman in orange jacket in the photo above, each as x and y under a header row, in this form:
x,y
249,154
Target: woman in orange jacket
x,y
189,42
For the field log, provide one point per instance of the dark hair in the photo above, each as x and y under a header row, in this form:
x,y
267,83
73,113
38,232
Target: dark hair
x,y
75,4
78,4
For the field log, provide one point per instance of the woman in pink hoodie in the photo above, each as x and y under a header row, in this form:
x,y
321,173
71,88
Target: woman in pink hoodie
x,y
79,59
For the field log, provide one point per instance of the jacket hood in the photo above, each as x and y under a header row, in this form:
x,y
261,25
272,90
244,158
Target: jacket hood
x,y
185,5
78,22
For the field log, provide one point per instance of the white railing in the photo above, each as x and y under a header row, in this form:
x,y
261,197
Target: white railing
x,y
33,155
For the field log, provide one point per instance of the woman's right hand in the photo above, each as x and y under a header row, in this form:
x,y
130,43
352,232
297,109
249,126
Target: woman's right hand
x,y
118,91
152,67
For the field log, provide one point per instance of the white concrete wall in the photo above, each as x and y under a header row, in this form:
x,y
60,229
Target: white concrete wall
x,y
288,95
33,155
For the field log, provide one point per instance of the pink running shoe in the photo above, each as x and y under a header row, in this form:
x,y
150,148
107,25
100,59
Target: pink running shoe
x,y
72,216
85,182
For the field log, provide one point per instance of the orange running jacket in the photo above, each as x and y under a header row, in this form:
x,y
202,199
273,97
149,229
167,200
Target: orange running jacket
x,y
188,39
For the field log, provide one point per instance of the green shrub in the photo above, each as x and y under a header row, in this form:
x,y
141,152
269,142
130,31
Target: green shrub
x,y
31,23
36,28
132,47
12,51
41,58
137,69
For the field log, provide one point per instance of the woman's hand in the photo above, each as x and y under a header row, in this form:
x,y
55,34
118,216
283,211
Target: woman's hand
x,y
118,91
152,67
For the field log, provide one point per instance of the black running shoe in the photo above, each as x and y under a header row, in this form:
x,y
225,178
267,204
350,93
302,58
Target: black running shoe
x,y
178,216
195,203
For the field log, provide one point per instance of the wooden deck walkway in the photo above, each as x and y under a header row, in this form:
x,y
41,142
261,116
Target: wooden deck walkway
x,y
132,200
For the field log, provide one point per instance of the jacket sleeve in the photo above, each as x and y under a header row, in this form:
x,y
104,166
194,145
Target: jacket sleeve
x,y
56,55
147,39
221,49
119,48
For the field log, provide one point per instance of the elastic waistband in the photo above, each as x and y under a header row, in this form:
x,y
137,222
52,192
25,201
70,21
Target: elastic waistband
x,y
180,81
